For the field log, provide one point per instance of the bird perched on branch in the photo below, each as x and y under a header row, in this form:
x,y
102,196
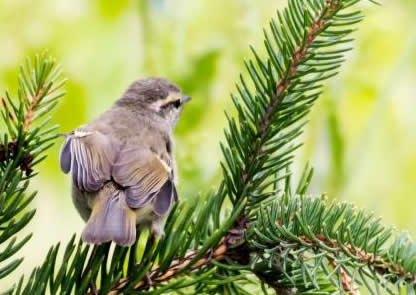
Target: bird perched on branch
x,y
122,165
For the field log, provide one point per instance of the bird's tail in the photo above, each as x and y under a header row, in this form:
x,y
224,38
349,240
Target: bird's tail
x,y
111,219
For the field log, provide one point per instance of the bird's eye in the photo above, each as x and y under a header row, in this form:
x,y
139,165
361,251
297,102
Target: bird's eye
x,y
177,103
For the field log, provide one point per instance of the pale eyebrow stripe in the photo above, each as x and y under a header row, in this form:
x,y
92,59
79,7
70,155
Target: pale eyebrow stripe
x,y
171,97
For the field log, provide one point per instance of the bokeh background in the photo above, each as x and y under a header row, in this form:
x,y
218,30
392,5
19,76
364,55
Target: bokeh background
x,y
361,138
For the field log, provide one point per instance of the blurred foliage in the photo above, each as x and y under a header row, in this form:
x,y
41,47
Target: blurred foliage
x,y
361,138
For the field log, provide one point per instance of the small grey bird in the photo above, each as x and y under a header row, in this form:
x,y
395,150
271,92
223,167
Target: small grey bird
x,y
122,165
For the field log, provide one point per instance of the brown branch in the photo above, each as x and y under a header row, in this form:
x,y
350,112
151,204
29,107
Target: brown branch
x,y
348,284
30,114
223,249
31,110
176,265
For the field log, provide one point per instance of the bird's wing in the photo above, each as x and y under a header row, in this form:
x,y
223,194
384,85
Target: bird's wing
x,y
89,155
147,178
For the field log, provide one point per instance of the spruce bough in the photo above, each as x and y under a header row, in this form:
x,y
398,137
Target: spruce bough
x,y
259,231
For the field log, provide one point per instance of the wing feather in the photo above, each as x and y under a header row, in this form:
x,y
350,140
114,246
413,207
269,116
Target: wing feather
x,y
65,156
89,156
164,198
143,172
145,176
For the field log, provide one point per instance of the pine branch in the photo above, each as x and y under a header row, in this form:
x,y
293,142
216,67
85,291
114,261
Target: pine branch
x,y
352,242
22,147
348,284
175,266
286,85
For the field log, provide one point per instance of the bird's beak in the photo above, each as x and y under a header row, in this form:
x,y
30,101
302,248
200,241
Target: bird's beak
x,y
185,98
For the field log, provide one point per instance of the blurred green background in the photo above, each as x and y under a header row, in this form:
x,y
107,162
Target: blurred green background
x,y
361,138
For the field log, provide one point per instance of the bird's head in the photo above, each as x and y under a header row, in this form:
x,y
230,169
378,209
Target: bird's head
x,y
155,95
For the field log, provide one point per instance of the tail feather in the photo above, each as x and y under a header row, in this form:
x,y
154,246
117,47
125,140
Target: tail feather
x,y
111,220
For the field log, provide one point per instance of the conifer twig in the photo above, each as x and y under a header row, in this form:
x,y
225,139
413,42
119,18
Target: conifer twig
x,y
30,112
21,149
282,85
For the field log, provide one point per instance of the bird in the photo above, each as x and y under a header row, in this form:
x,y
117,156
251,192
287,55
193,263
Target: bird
x,y
122,164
